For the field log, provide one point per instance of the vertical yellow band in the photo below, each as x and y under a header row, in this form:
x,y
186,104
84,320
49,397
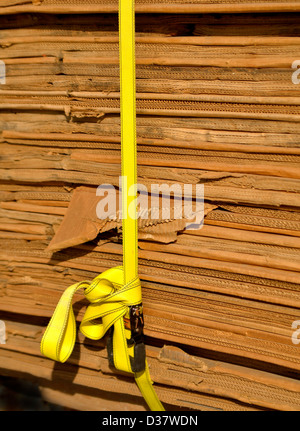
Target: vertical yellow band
x,y
128,136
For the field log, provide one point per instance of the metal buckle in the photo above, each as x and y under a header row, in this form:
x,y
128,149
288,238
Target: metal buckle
x,y
135,324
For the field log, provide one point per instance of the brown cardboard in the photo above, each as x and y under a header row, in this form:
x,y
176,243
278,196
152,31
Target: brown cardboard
x,y
81,224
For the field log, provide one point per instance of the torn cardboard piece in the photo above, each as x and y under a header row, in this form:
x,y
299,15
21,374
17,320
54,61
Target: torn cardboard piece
x,y
82,221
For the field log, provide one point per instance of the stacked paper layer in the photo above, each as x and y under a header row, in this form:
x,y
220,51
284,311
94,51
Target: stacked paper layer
x,y
217,105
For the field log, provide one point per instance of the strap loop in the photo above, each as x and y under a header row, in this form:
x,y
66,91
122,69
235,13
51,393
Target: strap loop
x,y
111,303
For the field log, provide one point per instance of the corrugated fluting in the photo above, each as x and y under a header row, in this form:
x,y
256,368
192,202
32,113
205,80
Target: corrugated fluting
x,y
218,105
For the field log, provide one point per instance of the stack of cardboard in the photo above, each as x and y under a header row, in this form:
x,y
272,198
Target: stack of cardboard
x,y
217,105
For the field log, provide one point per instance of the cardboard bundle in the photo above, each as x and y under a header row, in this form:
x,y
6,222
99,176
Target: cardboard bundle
x,y
146,6
217,106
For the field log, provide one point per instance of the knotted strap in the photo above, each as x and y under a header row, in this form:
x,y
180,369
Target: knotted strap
x,y
112,305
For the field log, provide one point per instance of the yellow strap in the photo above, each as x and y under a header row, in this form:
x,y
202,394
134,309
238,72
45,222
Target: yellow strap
x,y
128,137
114,292
109,301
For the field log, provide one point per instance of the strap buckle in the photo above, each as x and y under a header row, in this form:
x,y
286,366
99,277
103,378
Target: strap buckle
x,y
135,323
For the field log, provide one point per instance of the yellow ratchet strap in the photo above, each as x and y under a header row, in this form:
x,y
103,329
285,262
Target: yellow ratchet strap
x,y
115,296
